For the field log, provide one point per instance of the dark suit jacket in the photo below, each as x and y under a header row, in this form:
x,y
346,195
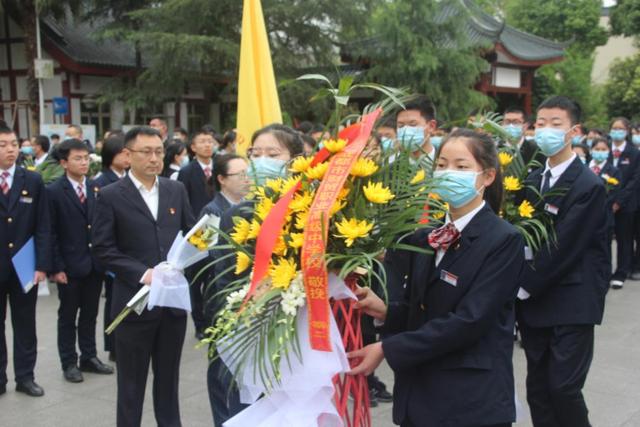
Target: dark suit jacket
x,y
453,345
629,167
128,241
71,228
106,177
568,281
24,213
216,207
529,151
199,189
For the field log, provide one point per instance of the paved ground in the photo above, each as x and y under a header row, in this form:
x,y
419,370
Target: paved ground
x,y
612,389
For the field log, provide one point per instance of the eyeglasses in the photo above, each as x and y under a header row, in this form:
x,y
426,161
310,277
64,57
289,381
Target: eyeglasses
x,y
242,175
148,153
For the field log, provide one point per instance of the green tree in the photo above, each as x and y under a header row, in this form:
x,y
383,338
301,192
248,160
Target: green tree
x,y
419,46
625,18
622,90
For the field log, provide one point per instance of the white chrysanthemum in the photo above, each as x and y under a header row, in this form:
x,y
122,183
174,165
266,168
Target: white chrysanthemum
x,y
236,297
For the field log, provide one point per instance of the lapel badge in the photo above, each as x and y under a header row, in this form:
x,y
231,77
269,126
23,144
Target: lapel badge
x,y
96,189
25,193
172,211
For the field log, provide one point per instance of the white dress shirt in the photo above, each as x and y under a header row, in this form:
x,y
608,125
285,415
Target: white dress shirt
x,y
176,170
12,172
150,197
205,165
556,171
74,185
37,161
119,175
622,147
460,224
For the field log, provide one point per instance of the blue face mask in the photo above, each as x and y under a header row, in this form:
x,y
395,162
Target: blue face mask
x,y
411,137
589,142
600,156
514,131
264,168
436,141
457,187
583,160
618,134
636,139
27,151
386,143
576,140
550,140
184,162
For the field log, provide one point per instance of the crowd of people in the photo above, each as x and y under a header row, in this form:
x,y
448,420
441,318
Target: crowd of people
x,y
448,325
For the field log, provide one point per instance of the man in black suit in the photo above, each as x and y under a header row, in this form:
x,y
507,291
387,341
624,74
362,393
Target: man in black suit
x,y
24,214
562,295
72,206
197,178
515,123
136,222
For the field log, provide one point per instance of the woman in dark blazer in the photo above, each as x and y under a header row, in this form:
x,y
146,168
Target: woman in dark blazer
x,y
451,339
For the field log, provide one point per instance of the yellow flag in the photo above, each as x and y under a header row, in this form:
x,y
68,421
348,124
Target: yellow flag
x,y
258,103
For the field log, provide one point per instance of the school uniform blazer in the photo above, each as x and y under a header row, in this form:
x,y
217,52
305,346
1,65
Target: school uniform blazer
x,y
127,240
568,279
629,167
199,189
71,228
24,213
216,207
452,341
106,177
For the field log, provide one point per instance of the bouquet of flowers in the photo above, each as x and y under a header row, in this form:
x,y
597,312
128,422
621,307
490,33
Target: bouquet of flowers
x,y
95,165
169,287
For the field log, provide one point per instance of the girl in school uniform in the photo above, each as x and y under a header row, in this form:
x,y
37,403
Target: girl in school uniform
x,y
452,337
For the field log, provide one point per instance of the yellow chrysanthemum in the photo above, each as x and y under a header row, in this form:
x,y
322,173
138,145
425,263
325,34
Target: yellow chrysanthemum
x,y
318,171
280,247
512,183
363,168
241,231
526,210
296,240
301,164
288,184
254,230
274,184
612,181
335,145
338,205
301,201
242,262
31,168
352,229
420,175
505,159
376,193
434,196
441,213
264,207
282,273
343,193
257,193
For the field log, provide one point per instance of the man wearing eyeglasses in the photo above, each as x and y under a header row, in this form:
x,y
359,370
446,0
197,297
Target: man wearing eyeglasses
x,y
515,124
136,221
24,214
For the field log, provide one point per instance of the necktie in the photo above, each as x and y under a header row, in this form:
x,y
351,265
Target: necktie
x,y
207,172
442,238
80,194
547,182
596,170
4,184
616,153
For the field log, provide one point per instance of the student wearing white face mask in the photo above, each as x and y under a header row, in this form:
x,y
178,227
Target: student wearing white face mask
x,y
415,126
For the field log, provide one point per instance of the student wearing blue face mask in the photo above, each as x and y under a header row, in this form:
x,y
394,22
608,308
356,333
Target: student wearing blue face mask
x,y
387,134
25,157
635,134
450,339
563,290
415,125
175,158
515,123
626,158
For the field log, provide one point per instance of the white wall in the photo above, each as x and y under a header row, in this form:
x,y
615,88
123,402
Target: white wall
x,y
616,47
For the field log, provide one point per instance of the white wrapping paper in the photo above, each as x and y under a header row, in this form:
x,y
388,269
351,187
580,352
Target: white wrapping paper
x,y
304,397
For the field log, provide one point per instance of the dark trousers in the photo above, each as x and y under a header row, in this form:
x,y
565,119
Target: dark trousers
x,y
108,297
23,320
195,289
79,299
636,241
558,360
223,393
410,424
158,341
624,240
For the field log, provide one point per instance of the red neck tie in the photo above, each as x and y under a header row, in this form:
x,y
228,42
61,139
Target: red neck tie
x,y
596,170
616,153
207,172
4,184
442,238
81,195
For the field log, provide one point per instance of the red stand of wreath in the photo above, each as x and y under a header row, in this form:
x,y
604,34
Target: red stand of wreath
x,y
354,411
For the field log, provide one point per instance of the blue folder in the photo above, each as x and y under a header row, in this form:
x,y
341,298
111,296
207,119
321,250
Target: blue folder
x,y
24,262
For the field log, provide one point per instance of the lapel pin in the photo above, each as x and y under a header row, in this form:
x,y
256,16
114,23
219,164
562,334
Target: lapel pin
x,y
24,192
96,189
172,211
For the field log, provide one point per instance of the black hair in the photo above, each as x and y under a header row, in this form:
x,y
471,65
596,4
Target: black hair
x,y
110,149
55,136
585,150
221,167
133,133
208,128
174,149
484,151
180,130
422,104
43,142
228,138
598,131
516,110
563,103
287,137
309,140
65,147
6,129
317,128
115,132
304,126
600,140
388,122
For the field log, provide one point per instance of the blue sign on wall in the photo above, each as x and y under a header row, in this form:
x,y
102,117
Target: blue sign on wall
x,y
60,105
